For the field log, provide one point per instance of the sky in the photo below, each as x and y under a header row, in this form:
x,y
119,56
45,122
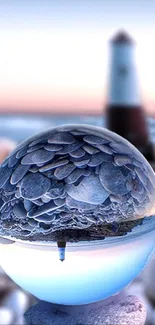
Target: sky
x,y
54,55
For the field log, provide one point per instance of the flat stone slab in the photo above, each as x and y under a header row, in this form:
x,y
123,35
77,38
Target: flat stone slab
x,y
119,310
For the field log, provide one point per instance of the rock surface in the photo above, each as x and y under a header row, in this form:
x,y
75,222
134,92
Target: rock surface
x,y
119,310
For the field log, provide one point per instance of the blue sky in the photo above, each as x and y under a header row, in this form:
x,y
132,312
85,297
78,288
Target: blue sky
x,y
55,53
94,13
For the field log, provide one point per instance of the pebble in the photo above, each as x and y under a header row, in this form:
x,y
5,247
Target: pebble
x,y
12,161
64,151
45,218
76,174
138,164
105,148
89,149
55,164
71,203
21,152
45,198
5,174
141,175
121,160
53,147
78,132
4,162
89,190
81,163
38,202
113,311
18,194
19,210
92,139
77,153
25,233
112,179
61,138
71,147
19,173
129,185
56,189
38,211
64,171
37,157
33,186
9,188
3,207
118,198
33,223
36,147
136,288
121,148
33,169
98,158
136,195
39,140
26,227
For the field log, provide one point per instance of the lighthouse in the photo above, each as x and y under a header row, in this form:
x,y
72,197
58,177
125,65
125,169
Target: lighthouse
x,y
124,111
61,248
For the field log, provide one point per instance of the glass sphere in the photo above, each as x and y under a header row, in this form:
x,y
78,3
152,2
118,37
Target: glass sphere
x,y
82,190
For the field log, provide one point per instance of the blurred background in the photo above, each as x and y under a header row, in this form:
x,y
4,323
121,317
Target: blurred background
x,y
54,69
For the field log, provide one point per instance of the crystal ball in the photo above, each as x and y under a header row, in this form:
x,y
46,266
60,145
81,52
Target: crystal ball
x,y
79,194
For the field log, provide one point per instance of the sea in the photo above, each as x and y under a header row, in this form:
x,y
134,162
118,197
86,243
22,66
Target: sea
x,y
20,127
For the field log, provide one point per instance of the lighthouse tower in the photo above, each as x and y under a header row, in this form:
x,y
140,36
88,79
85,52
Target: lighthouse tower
x,y
61,249
124,112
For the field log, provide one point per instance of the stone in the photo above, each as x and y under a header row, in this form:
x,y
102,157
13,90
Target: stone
x,y
93,140
117,310
137,288
58,163
47,207
19,173
33,186
39,156
121,160
61,138
89,190
21,152
112,179
19,210
53,147
64,171
98,158
76,174
5,174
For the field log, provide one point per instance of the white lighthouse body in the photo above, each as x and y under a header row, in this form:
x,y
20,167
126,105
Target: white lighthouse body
x,y
123,83
124,112
61,253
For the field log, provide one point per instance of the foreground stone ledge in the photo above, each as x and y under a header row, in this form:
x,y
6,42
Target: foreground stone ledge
x,y
117,310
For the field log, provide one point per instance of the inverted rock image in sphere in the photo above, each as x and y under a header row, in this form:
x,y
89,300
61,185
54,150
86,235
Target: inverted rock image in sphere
x,y
77,205
73,177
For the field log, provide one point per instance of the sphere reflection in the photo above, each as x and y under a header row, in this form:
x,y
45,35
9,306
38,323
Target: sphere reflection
x,y
85,190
